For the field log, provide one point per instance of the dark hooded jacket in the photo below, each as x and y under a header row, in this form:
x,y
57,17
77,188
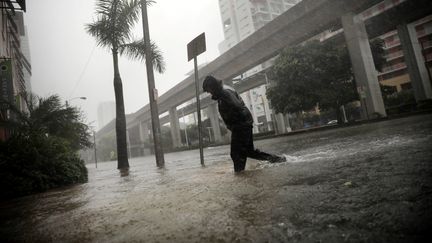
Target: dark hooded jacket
x,y
232,108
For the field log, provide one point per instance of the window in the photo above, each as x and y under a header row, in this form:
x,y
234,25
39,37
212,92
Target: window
x,y
227,23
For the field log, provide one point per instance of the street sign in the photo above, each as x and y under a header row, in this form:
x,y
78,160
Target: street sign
x,y
196,46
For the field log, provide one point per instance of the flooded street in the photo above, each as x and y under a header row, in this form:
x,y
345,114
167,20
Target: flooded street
x,y
365,183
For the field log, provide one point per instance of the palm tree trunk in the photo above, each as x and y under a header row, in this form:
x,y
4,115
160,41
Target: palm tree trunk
x,y
122,157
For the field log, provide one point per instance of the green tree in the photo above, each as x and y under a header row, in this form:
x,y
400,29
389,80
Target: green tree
x,y
113,29
378,53
294,83
316,74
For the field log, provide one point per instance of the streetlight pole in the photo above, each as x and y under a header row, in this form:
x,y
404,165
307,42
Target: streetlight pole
x,y
94,143
157,138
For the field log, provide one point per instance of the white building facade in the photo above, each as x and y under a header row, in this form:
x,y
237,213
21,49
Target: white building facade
x,y
240,18
106,112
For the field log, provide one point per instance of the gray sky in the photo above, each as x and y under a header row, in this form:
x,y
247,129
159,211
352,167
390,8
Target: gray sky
x,y
66,62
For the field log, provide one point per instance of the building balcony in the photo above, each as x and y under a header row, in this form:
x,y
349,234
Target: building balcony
x,y
389,45
14,5
426,45
393,68
395,55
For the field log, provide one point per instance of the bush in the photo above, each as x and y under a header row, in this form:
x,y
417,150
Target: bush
x,y
403,97
400,102
30,164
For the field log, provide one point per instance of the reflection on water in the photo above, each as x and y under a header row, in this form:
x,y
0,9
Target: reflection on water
x,y
185,199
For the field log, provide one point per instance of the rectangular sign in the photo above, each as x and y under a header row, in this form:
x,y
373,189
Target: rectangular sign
x,y
196,46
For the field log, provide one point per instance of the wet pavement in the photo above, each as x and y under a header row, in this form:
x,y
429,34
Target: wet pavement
x,y
365,183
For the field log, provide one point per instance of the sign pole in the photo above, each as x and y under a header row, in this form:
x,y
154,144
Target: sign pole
x,y
198,111
194,48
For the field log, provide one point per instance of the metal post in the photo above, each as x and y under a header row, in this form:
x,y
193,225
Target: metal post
x,y
94,142
196,47
198,111
157,138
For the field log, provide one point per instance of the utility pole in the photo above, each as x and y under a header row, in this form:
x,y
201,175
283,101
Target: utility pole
x,y
153,95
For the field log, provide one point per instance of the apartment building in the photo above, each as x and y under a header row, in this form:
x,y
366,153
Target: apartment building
x,y
240,18
106,112
15,68
395,73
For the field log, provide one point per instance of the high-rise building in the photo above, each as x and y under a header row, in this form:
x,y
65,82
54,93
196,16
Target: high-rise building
x,y
394,72
240,18
106,112
15,69
26,62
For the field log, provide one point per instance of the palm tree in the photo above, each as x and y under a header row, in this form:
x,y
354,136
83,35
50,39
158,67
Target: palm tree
x,y
48,117
42,150
113,29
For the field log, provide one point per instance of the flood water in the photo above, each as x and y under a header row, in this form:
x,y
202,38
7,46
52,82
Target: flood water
x,y
186,202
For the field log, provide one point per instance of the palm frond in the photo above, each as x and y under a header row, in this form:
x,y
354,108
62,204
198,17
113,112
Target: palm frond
x,y
101,30
104,7
128,15
136,50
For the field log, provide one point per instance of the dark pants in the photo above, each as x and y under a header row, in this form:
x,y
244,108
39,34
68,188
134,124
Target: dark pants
x,y
242,147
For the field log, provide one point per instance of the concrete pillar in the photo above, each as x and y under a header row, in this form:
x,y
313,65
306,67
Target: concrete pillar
x,y
175,127
214,121
363,66
267,112
144,131
280,123
252,110
415,62
287,123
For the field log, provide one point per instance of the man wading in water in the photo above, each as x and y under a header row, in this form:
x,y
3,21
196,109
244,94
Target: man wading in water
x,y
238,120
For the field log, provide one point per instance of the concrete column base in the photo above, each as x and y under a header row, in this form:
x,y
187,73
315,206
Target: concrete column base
x,y
175,127
363,66
280,124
